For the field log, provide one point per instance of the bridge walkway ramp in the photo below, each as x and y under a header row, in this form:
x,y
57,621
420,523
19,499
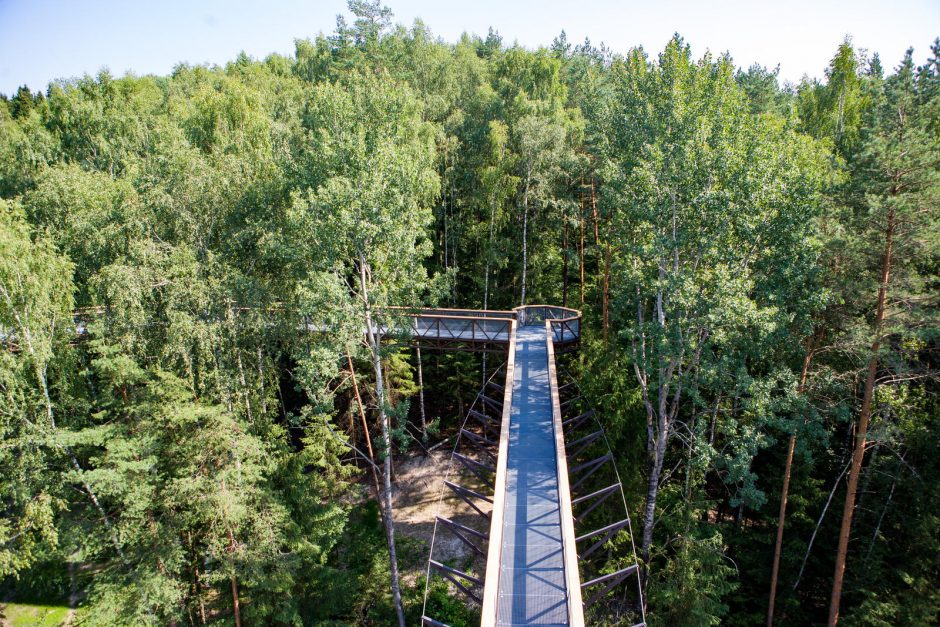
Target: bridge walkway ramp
x,y
532,587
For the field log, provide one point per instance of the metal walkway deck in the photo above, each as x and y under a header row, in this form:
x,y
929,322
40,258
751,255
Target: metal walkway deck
x,y
532,584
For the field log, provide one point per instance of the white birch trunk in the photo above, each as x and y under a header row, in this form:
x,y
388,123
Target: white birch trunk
x,y
375,345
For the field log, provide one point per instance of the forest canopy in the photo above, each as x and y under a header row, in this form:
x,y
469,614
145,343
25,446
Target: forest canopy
x,y
756,263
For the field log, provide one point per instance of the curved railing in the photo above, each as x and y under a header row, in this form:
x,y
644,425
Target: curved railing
x,y
566,331
565,322
491,326
536,314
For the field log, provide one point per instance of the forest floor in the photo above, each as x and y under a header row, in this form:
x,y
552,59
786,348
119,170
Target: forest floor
x,y
419,495
22,614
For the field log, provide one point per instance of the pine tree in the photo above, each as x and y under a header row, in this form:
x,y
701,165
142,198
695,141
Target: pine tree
x,y
373,157
899,182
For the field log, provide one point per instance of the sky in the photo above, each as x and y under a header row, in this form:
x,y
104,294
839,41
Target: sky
x,y
42,40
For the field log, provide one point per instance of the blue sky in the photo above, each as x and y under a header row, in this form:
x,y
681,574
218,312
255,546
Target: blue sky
x,y
41,40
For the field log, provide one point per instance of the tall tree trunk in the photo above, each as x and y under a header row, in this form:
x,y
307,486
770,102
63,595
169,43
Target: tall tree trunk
x,y
486,278
581,220
606,254
264,400
861,433
661,416
246,394
606,303
236,606
424,420
525,237
365,429
375,347
658,455
597,236
564,266
784,492
197,579
446,230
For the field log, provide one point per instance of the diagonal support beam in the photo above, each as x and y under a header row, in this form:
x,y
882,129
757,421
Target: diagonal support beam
x,y
590,468
480,443
491,403
571,400
430,622
496,386
462,531
452,574
479,440
597,497
581,444
482,471
483,419
611,581
466,495
572,424
606,532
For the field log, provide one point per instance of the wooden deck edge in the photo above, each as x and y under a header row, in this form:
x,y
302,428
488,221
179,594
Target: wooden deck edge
x,y
494,550
569,548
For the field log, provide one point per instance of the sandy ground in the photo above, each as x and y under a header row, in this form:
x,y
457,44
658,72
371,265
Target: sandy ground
x,y
420,494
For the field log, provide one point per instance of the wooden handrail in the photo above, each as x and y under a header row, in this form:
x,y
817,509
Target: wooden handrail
x,y
544,306
490,604
569,541
448,312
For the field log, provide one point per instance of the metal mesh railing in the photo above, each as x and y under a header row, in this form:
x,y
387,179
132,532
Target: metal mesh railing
x,y
424,326
478,325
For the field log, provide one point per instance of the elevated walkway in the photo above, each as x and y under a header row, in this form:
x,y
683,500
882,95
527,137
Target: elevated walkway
x,y
531,557
515,463
486,331
535,581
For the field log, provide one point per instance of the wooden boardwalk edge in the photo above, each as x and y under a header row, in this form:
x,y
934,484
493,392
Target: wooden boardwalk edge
x,y
491,581
570,553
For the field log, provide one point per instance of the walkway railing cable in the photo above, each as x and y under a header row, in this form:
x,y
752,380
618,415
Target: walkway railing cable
x,y
610,530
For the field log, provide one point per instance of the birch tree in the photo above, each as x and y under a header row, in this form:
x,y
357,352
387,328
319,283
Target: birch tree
x,y
698,191
35,304
374,158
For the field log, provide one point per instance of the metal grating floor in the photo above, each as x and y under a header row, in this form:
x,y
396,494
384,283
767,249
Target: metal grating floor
x,y
532,577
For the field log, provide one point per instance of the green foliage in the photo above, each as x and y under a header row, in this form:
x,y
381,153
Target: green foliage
x,y
443,606
833,109
35,315
17,614
690,588
222,232
369,163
